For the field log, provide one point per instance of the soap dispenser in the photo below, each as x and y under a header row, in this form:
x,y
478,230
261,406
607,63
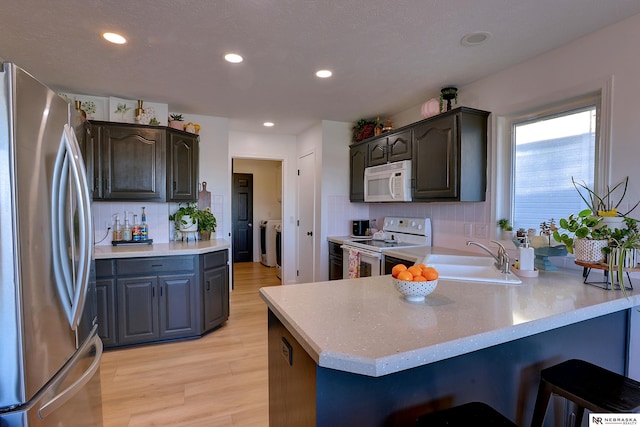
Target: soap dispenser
x,y
526,256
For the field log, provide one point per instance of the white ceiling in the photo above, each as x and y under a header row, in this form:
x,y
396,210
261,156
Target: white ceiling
x,y
386,56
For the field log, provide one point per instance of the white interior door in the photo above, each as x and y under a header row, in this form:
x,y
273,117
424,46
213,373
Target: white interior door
x,y
306,217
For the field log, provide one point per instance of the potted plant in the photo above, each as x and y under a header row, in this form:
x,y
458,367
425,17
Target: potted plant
x,y
606,205
363,129
506,229
206,223
186,217
176,121
622,250
586,237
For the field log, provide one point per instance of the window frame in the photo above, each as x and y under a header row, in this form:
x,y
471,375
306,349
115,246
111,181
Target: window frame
x,y
503,172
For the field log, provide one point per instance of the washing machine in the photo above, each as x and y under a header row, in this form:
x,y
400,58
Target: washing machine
x,y
268,242
279,251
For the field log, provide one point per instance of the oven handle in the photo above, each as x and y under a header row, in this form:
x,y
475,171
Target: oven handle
x,y
373,254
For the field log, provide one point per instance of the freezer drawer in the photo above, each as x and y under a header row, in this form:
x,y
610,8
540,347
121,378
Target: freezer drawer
x,y
71,399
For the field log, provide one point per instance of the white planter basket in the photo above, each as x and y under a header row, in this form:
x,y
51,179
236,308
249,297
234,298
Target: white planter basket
x,y
587,250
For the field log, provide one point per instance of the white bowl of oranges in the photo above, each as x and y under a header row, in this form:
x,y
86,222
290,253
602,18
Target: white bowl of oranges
x,y
415,282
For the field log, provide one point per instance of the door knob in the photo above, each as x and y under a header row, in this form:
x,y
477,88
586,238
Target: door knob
x,y
250,225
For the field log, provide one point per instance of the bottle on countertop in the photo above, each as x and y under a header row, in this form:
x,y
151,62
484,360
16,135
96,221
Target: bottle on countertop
x,y
144,227
526,255
117,231
135,230
126,231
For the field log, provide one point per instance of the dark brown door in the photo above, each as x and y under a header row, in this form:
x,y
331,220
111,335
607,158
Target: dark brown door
x,y
242,207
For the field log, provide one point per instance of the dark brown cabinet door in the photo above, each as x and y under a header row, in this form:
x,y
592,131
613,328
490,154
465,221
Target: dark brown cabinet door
x,y
106,311
133,163
450,157
377,152
399,146
216,296
357,164
435,159
137,310
91,155
178,308
182,166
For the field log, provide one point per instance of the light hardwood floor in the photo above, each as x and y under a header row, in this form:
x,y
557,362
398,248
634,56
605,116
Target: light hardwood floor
x,y
219,380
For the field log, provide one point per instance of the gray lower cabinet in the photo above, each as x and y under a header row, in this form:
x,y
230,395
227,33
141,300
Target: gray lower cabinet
x,y
153,299
215,289
106,296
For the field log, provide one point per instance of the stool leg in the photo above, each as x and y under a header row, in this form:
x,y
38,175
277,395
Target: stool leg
x,y
579,414
542,401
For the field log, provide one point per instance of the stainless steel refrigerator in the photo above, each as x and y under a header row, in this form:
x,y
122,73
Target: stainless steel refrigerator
x,y
49,348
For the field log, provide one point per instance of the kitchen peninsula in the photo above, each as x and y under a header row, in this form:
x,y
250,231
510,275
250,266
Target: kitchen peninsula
x,y
161,292
353,352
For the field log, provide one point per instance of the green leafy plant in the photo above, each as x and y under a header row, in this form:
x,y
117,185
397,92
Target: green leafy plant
x,y
621,242
190,209
206,220
505,225
176,117
581,226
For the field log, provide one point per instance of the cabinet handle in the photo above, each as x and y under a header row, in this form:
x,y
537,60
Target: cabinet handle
x,y
153,292
161,291
174,185
208,285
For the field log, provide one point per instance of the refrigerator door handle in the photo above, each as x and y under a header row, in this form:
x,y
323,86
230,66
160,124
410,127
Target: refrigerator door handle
x,y
59,399
72,288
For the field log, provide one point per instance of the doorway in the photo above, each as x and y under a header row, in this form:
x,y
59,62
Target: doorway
x,y
256,198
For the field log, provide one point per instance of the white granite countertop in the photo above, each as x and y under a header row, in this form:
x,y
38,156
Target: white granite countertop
x,y
364,325
194,247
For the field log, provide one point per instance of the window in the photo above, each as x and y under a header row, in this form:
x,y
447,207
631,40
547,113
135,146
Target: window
x,y
549,147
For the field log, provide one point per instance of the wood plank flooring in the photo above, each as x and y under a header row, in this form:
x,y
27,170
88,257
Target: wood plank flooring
x,y
219,380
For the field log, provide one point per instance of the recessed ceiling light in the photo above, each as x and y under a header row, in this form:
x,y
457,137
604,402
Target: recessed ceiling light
x,y
114,38
233,58
269,124
475,38
323,74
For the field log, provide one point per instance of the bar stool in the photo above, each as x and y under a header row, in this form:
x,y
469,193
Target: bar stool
x,y
589,387
469,414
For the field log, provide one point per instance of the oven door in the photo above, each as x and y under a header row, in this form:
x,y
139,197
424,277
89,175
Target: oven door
x,y
369,262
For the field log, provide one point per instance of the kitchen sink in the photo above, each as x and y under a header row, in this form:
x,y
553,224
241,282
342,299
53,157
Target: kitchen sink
x,y
469,268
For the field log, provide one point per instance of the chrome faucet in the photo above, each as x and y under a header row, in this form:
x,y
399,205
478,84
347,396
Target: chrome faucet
x,y
502,258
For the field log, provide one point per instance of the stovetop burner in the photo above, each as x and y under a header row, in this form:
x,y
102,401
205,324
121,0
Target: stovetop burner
x,y
397,233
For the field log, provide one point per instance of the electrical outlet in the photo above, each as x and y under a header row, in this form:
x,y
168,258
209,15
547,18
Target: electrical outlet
x,y
482,231
468,230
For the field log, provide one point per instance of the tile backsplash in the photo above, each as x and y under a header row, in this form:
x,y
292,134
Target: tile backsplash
x,y
157,219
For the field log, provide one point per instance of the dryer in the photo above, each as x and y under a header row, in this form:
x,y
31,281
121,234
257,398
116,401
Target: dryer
x,y
268,241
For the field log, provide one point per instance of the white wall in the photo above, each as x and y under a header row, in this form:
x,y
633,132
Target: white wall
x,y
266,146
267,193
579,67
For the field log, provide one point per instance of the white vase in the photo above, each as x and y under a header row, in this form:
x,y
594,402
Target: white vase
x,y
588,250
613,222
190,225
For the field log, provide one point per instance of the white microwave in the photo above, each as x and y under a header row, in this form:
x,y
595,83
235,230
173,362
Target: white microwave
x,y
388,183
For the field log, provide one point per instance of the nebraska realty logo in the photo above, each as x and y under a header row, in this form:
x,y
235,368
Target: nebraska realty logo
x,y
596,420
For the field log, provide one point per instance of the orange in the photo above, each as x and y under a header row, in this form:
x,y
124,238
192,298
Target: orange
x,y
397,269
415,270
430,273
405,275
419,279
422,266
